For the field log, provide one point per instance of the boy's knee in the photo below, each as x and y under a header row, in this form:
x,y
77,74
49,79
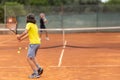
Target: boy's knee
x,y
30,58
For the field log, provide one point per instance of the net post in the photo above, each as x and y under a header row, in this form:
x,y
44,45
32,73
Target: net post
x,y
63,31
63,35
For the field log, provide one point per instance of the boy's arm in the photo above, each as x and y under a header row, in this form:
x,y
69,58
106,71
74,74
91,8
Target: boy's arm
x,y
45,20
23,35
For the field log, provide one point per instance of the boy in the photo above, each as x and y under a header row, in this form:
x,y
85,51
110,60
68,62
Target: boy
x,y
33,34
43,20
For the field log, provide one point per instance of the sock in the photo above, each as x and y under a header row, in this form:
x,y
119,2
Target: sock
x,y
38,66
35,71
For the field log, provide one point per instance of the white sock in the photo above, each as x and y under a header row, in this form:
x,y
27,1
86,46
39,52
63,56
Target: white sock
x,y
35,72
38,66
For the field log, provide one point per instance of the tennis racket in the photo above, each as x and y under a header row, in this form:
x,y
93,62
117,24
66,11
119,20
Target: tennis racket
x,y
11,24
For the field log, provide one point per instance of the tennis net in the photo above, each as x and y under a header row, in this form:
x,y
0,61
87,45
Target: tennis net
x,y
93,37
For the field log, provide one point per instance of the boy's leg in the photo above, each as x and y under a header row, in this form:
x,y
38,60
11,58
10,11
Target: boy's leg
x,y
30,61
34,60
36,63
31,56
39,68
41,31
47,38
35,72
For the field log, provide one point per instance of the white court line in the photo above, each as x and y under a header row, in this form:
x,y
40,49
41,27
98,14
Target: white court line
x,y
64,46
60,59
86,66
62,53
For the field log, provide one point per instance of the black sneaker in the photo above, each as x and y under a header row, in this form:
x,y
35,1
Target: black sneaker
x,y
40,71
34,75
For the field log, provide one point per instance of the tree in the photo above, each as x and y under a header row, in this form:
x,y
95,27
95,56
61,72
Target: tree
x,y
14,9
19,1
38,2
54,2
1,14
113,2
89,2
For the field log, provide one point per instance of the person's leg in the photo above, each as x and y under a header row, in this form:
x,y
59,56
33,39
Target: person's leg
x,y
41,34
35,71
42,30
36,63
46,33
47,38
39,68
30,59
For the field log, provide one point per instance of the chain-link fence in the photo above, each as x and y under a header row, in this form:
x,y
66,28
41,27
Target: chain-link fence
x,y
71,16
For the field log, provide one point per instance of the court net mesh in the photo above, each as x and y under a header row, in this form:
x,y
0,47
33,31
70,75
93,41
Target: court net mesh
x,y
74,37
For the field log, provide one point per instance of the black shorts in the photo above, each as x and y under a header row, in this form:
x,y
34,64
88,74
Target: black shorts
x,y
42,27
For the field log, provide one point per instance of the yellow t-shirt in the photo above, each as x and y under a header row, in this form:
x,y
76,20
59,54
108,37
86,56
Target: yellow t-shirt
x,y
33,33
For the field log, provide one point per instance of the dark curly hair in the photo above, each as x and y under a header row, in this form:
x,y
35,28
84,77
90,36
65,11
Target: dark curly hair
x,y
30,18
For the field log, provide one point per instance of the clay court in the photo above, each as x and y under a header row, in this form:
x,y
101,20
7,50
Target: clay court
x,y
95,57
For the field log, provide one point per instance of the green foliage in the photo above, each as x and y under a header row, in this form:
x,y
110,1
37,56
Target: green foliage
x,y
14,9
112,6
88,2
25,2
1,14
114,2
38,2
19,1
54,2
51,2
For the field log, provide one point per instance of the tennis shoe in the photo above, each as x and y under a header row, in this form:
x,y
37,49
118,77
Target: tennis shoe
x,y
34,75
40,71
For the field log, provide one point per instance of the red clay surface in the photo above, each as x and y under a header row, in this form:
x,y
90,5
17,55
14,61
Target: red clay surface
x,y
97,58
